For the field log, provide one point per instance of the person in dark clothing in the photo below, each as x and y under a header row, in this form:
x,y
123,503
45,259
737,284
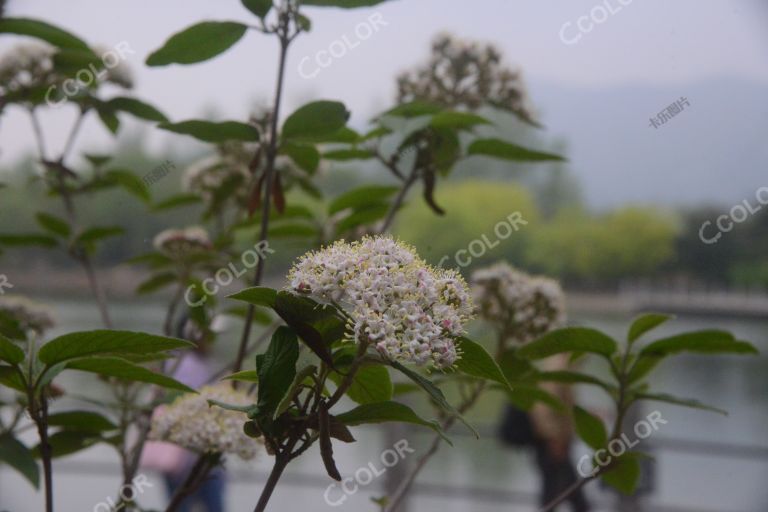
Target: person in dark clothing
x,y
550,434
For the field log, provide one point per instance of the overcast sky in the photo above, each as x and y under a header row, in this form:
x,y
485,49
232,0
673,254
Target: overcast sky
x,y
647,42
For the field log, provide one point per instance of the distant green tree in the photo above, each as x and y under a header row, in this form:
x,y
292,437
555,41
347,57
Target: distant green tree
x,y
628,242
474,209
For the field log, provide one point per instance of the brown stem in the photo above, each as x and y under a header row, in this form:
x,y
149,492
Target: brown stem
x,y
405,486
281,462
98,292
621,411
578,484
40,417
268,179
196,475
349,378
168,323
398,201
69,206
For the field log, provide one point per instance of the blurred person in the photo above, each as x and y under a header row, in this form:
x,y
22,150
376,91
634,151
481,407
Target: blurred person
x,y
550,434
175,463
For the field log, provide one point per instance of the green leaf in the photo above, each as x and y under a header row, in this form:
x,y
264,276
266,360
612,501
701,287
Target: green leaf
x,y
344,135
198,43
316,119
709,341
371,384
457,120
644,365
525,395
68,61
97,161
23,240
382,412
497,148
299,313
258,296
435,393
304,22
590,428
88,343
307,157
514,367
571,377
624,474
244,376
98,233
156,282
108,116
569,339
41,30
209,131
129,182
645,323
362,197
53,224
151,260
19,457
84,421
362,217
248,409
684,402
258,7
67,442
177,201
348,154
10,377
277,366
11,327
285,403
414,109
137,108
292,230
123,369
477,362
10,352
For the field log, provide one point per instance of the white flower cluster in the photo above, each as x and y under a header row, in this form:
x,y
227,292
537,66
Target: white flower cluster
x,y
181,243
409,310
29,315
228,168
26,66
522,307
31,65
192,423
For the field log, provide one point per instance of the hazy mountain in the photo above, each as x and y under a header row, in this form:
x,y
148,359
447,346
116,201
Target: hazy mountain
x,y
715,150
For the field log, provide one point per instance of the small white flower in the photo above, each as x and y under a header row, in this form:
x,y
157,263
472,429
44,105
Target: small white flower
x,y
30,315
409,310
179,243
521,306
192,423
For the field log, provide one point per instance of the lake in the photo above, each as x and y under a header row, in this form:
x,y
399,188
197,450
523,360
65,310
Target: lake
x,y
703,461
